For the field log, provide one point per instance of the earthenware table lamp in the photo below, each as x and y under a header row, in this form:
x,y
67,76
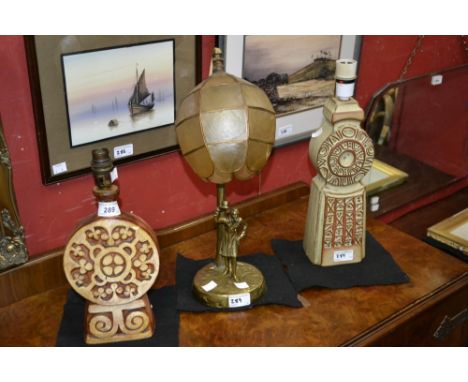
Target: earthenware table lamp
x,y
112,260
342,153
226,128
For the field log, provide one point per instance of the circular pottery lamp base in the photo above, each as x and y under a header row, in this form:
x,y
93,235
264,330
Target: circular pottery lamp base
x,y
214,288
112,260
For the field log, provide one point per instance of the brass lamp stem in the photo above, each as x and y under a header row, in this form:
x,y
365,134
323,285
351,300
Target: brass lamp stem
x,y
220,194
220,197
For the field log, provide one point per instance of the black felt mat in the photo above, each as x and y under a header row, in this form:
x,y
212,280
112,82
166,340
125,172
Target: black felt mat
x,y
279,288
447,248
377,268
71,332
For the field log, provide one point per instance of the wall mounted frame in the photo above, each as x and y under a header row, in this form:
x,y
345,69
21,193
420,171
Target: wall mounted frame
x,y
294,126
60,157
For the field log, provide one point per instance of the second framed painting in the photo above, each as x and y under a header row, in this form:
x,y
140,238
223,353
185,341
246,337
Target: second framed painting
x,y
118,92
296,72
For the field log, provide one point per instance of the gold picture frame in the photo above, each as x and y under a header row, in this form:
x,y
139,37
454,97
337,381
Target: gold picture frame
x,y
452,231
13,249
382,176
60,158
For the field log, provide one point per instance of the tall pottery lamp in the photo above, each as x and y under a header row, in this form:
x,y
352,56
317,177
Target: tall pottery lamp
x,y
342,153
226,128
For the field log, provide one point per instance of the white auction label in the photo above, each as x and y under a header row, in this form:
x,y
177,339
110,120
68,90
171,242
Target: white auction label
x,y
114,175
238,300
241,285
285,131
59,168
123,151
343,255
209,286
108,209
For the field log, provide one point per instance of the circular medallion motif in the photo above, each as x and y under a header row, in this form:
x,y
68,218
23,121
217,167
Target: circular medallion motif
x,y
346,156
113,264
111,261
347,159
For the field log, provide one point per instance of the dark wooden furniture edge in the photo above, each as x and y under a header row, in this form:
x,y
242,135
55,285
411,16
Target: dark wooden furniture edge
x,y
36,98
386,327
44,272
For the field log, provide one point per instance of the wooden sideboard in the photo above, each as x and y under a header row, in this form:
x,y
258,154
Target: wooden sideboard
x,y
407,314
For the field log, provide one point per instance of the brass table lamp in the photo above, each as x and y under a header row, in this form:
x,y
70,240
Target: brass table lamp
x,y
226,128
112,260
342,153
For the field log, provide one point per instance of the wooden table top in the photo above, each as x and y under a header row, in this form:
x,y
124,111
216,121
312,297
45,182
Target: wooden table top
x,y
328,318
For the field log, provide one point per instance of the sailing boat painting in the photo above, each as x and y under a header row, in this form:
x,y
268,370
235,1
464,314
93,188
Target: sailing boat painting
x,y
111,92
141,100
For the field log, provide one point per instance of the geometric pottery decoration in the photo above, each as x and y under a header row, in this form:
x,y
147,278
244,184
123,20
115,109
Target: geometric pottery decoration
x,y
342,153
226,128
112,260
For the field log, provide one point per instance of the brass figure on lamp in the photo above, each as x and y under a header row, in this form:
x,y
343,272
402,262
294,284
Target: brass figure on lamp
x,y
226,128
112,260
342,153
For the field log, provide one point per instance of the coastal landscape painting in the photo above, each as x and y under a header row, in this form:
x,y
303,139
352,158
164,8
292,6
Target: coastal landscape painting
x,y
296,72
118,91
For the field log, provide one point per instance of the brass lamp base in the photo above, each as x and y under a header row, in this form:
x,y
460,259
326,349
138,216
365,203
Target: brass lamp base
x,y
216,289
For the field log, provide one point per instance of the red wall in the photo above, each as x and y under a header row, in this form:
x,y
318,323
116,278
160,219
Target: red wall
x,y
432,125
384,57
164,190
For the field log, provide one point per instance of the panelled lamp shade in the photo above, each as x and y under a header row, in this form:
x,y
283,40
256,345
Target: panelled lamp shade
x,y
226,127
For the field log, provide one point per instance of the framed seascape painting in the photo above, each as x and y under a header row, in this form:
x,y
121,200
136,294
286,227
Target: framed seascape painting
x,y
296,72
118,92
111,92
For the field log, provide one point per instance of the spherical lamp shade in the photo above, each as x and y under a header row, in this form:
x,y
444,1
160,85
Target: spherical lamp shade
x,y
226,127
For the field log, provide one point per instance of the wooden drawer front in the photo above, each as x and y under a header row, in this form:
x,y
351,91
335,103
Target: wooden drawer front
x,y
441,320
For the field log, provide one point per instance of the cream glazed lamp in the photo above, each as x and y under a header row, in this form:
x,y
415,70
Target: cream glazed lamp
x,y
226,129
342,153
